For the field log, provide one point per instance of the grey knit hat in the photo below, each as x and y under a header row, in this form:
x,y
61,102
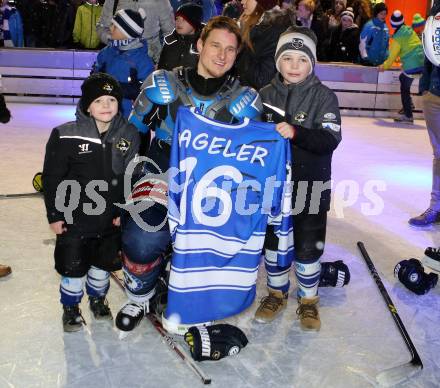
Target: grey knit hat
x,y
297,38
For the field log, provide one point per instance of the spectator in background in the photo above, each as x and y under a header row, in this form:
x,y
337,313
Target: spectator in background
x,y
233,9
180,47
334,14
306,17
406,45
84,30
344,43
209,7
362,12
126,55
374,38
159,21
418,24
260,31
11,26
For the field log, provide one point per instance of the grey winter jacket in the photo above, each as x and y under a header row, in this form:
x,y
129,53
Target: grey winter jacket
x,y
159,21
312,108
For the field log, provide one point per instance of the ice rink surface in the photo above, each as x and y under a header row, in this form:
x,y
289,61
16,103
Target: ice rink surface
x,y
382,176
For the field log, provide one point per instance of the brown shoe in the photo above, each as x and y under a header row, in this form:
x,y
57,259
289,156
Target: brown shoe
x,y
5,270
271,306
308,314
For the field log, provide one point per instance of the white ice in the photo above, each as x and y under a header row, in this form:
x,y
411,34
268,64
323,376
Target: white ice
x,y
358,338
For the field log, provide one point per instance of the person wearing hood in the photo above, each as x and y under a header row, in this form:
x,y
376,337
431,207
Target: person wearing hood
x,y
84,30
375,37
261,24
344,43
126,55
179,47
306,113
407,46
83,178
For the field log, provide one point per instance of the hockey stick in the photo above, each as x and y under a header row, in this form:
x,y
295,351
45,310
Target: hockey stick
x,y
402,372
21,195
169,339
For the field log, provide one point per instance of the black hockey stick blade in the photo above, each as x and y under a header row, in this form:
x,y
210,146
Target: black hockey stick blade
x,y
118,278
399,373
21,195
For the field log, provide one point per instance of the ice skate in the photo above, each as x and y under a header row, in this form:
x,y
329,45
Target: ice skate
x,y
72,319
100,309
432,258
130,316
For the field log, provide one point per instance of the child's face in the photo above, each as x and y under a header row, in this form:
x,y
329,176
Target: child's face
x,y
183,27
382,16
346,22
294,67
116,33
302,11
103,109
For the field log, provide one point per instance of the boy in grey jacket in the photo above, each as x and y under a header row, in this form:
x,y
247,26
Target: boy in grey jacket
x,y
307,113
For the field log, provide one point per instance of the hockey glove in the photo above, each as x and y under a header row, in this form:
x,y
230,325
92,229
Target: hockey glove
x,y
214,342
412,275
334,274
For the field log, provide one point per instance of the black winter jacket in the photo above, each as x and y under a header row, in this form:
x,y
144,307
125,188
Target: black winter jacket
x,y
344,45
179,50
76,151
257,67
312,108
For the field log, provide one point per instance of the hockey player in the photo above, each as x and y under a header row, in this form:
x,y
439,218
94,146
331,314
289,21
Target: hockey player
x,y
307,113
210,88
83,175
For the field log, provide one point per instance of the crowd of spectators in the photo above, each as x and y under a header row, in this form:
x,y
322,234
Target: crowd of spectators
x,y
352,31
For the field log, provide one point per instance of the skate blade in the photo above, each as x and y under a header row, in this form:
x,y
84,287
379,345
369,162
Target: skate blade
x,y
123,335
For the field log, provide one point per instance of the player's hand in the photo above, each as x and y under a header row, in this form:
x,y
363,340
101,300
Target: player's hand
x,y
58,227
117,221
285,130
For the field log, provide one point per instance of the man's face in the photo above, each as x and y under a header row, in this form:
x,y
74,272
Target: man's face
x,y
382,16
217,53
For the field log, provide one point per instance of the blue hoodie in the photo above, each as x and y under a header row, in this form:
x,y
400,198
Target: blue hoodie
x,y
374,42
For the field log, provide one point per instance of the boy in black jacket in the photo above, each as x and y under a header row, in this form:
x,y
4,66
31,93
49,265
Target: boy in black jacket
x,y
307,113
83,177
179,47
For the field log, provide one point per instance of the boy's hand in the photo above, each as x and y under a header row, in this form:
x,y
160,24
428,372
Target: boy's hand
x,y
285,130
58,227
117,221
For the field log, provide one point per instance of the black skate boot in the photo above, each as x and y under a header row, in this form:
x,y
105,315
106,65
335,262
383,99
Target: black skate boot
x,y
432,258
72,318
131,315
99,307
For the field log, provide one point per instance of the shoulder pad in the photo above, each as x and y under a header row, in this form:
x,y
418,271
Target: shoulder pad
x,y
160,87
245,102
431,39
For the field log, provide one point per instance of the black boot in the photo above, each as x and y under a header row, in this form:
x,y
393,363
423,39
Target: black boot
x,y
72,318
99,307
131,315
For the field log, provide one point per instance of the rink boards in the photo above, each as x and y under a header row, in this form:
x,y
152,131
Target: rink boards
x,y
55,76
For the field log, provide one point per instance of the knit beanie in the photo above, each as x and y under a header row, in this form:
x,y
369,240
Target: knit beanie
x,y
97,85
267,4
418,21
131,23
348,13
294,39
397,19
378,8
192,13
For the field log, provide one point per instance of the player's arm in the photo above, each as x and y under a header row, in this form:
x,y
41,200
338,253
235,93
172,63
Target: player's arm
x,y
159,89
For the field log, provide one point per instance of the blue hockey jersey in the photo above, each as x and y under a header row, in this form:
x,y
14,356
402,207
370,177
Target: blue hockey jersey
x,y
227,182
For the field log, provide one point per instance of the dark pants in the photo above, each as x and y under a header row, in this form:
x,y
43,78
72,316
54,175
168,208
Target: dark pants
x,y
405,94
